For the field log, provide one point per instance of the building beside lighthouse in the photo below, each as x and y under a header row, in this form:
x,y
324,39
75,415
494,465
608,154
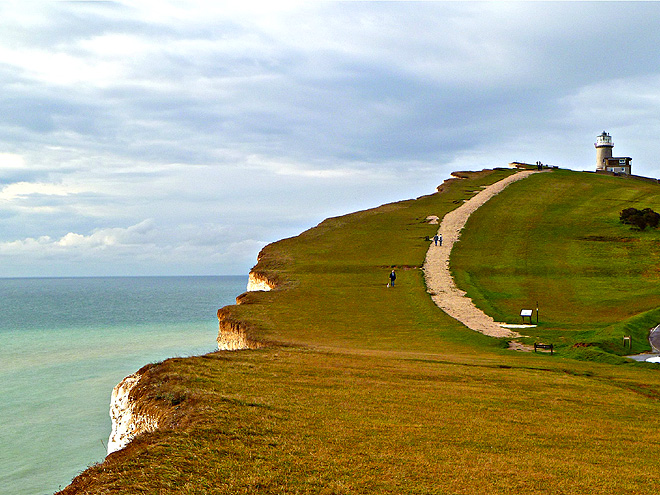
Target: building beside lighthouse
x,y
605,162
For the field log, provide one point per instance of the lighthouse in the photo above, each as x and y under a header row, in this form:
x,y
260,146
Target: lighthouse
x,y
604,147
605,162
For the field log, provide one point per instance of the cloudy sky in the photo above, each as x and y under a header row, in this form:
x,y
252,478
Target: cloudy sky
x,y
155,138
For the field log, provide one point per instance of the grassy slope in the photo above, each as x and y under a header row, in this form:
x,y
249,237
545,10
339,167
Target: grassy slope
x,y
380,392
557,240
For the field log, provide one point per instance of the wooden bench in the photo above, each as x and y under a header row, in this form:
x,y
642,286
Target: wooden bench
x,y
544,346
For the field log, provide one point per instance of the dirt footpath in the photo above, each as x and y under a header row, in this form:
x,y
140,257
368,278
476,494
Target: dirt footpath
x,y
439,281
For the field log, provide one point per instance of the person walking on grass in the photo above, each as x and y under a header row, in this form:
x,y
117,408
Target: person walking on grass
x,y
392,278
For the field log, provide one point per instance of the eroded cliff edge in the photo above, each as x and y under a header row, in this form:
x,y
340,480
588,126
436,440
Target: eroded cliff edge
x,y
234,335
139,406
131,417
126,423
154,408
258,281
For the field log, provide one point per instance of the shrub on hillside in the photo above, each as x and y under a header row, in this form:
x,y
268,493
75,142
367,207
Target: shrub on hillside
x,y
640,219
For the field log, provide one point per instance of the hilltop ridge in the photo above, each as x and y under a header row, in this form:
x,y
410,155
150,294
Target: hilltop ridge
x,y
360,388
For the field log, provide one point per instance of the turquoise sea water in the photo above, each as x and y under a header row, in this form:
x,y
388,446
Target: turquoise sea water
x,y
66,342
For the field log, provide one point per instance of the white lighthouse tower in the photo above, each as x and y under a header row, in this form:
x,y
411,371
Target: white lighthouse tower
x,y
604,147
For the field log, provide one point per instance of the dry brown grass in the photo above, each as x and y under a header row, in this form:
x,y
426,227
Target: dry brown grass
x,y
377,391
299,421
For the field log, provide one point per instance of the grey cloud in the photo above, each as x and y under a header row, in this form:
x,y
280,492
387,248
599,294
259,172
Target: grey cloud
x,y
263,124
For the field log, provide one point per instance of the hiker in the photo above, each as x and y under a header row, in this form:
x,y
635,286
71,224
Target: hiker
x,y
435,239
440,239
392,278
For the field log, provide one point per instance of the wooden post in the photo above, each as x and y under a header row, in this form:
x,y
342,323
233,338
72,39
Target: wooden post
x,y
537,312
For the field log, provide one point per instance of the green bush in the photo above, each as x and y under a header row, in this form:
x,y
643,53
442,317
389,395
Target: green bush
x,y
640,218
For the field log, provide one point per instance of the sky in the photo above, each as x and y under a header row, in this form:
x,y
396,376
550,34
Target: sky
x,y
179,138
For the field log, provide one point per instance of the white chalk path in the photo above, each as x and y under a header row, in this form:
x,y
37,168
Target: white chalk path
x,y
439,281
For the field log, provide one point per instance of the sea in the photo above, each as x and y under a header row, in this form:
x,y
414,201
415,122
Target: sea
x,y
66,342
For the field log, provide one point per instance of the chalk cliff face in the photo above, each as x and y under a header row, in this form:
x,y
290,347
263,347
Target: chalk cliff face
x,y
127,423
129,419
233,335
257,281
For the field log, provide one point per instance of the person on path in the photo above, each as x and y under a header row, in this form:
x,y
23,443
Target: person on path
x,y
392,278
435,239
440,239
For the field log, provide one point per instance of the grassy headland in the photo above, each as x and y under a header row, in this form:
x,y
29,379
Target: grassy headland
x,y
557,240
366,389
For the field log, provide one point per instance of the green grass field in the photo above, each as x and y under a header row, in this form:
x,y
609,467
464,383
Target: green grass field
x,y
557,240
366,389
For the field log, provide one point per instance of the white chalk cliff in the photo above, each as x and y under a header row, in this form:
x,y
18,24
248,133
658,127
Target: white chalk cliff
x,y
126,422
258,282
232,334
129,420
